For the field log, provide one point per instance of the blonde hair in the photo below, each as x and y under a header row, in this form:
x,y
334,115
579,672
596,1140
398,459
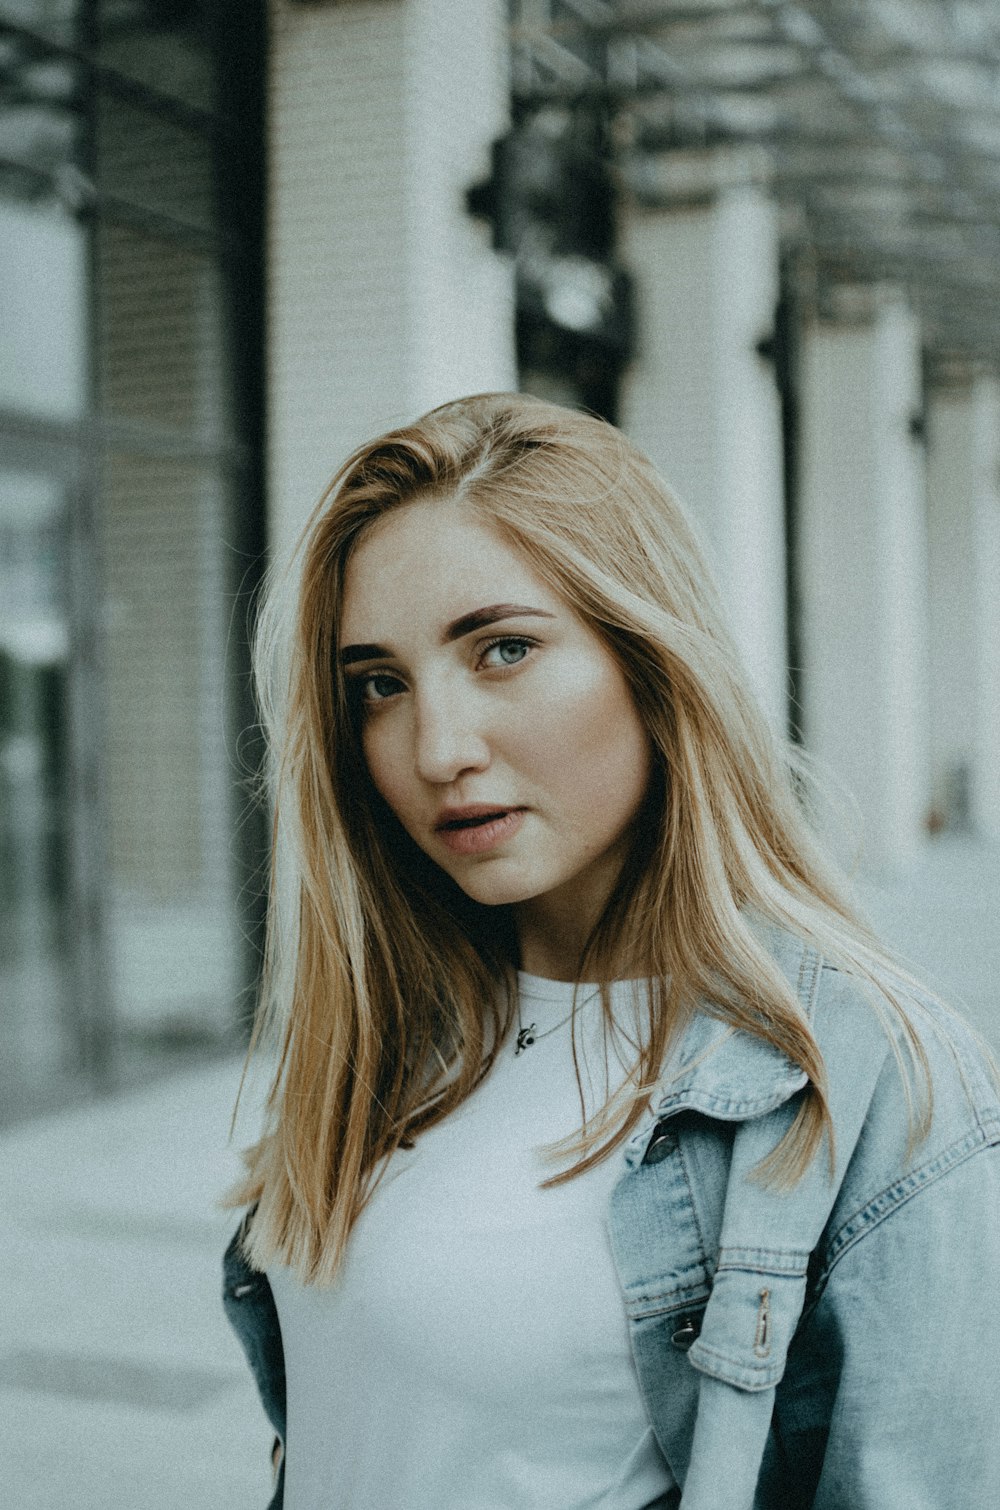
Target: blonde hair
x,y
383,983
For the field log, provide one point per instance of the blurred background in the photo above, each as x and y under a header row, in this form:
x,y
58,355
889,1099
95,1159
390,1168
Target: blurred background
x,y
132,524
237,238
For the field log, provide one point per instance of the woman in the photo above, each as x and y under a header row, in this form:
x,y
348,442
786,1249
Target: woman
x,y
611,1162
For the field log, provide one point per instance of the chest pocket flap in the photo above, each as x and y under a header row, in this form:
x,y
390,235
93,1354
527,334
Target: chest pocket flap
x,y
751,1316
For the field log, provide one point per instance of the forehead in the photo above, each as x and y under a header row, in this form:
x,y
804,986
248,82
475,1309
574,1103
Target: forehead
x,y
431,561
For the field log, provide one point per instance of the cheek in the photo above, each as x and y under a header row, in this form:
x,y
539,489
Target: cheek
x,y
384,766
588,739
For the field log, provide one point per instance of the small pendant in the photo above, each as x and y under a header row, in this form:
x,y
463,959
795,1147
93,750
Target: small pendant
x,y
525,1038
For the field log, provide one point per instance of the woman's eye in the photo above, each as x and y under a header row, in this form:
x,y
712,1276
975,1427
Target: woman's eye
x,y
377,687
506,652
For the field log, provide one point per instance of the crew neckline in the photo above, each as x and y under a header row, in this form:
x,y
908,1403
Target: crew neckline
x,y
541,988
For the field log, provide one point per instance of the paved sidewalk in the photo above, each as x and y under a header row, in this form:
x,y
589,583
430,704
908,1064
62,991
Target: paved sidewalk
x,y
121,1387
942,913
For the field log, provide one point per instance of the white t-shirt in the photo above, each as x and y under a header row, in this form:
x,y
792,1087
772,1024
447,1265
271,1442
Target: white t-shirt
x,y
473,1353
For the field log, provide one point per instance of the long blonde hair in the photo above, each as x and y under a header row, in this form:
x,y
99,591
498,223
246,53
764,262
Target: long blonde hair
x,y
386,990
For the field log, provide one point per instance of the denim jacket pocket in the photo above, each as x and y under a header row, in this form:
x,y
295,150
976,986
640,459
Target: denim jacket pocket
x,y
753,1310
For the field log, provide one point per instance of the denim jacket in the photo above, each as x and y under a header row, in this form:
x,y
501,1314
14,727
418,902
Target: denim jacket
x,y
834,1346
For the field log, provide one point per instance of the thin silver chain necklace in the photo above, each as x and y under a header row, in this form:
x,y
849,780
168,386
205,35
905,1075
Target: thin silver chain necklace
x,y
527,1034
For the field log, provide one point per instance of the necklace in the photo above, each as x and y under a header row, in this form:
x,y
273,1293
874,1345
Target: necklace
x,y
527,1034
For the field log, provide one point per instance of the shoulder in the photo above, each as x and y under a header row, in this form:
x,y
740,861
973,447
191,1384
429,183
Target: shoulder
x,y
911,1089
909,1049
887,1037
879,1056
929,1103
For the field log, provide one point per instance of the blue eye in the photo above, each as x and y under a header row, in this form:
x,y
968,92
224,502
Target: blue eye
x,y
509,651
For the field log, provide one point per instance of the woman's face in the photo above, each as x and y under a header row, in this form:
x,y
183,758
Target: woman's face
x,y
496,725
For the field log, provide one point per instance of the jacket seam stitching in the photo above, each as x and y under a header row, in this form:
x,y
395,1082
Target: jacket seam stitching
x,y
689,1192
735,1366
668,1302
973,1082
868,1217
729,1108
812,963
791,1265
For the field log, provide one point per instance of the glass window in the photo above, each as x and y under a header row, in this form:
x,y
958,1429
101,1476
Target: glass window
x,y
159,351
153,162
43,247
53,18
123,361
40,116
34,780
167,778
43,355
160,43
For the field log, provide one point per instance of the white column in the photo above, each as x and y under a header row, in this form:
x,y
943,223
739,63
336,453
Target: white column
x,y
385,297
963,481
863,574
702,402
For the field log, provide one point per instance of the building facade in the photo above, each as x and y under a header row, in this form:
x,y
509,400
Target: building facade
x,y
131,523
732,229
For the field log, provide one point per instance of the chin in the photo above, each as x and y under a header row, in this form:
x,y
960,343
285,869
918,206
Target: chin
x,y
498,891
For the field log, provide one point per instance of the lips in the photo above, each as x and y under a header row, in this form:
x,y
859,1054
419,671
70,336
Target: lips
x,y
478,828
474,813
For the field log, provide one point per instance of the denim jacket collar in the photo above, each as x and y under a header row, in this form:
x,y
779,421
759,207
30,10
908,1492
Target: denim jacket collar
x,y
722,1072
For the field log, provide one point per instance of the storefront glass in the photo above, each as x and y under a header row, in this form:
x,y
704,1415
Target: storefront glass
x,y
130,536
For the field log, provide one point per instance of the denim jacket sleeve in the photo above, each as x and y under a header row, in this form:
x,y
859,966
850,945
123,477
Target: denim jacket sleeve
x,y
891,1396
892,1391
251,1311
834,1346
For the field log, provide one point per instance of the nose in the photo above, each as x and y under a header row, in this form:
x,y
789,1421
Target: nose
x,y
449,738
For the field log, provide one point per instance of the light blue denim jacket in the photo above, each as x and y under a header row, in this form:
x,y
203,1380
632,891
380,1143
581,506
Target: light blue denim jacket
x,y
835,1346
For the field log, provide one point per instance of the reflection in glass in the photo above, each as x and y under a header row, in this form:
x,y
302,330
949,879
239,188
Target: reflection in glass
x,y
40,114
159,342
43,359
153,162
51,18
173,928
43,250
34,815
121,931
160,43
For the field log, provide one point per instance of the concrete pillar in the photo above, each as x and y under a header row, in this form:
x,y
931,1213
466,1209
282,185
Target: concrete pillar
x,y
701,400
863,574
963,480
385,297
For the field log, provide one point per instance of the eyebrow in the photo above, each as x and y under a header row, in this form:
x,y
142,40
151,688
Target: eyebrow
x,y
477,619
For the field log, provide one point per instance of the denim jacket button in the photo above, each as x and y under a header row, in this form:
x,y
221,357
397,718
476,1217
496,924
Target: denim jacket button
x,y
662,1143
685,1333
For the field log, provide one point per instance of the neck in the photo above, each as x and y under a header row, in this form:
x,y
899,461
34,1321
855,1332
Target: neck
x,y
553,929
549,952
